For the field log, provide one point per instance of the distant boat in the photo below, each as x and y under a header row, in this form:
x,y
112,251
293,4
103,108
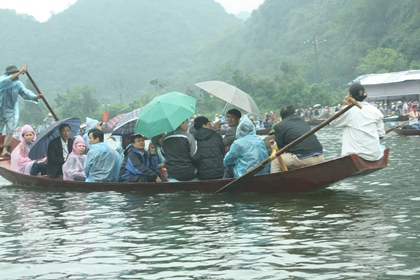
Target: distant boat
x,y
395,118
406,132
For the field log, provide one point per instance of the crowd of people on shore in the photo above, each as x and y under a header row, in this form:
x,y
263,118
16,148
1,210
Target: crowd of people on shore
x,y
195,150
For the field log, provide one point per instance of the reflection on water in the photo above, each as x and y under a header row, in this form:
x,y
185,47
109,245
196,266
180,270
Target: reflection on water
x,y
362,228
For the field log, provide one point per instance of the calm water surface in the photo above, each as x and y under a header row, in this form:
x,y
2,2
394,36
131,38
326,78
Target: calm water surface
x,y
361,228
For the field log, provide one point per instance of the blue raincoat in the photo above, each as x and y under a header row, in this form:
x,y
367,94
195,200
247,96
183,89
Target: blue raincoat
x,y
247,151
90,124
5,81
102,164
9,92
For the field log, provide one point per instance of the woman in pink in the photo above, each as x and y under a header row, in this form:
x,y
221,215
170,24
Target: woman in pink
x,y
20,161
73,169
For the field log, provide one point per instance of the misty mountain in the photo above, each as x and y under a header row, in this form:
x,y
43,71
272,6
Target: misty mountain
x,y
113,46
128,48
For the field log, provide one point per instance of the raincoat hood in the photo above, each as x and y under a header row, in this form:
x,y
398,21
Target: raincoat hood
x,y
245,127
90,124
100,147
78,141
155,140
27,128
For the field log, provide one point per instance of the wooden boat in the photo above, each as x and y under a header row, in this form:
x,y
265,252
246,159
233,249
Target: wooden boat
x,y
395,118
406,132
303,179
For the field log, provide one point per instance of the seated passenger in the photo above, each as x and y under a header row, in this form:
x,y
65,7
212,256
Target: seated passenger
x,y
102,163
90,124
307,152
232,117
212,150
157,142
414,118
246,152
180,150
58,151
20,161
73,167
138,164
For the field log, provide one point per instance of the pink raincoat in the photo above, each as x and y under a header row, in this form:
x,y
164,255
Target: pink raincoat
x,y
74,164
20,161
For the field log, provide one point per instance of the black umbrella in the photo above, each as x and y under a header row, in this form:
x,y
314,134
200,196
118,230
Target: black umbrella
x,y
40,147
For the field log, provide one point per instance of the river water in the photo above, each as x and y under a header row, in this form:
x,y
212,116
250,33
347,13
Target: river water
x,y
361,228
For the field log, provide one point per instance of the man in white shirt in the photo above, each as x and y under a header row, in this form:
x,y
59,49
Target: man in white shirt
x,y
362,128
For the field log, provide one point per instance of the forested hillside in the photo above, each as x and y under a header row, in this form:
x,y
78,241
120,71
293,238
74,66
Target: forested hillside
x,y
113,45
288,52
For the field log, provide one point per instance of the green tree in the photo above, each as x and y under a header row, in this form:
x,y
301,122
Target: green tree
x,y
382,60
77,103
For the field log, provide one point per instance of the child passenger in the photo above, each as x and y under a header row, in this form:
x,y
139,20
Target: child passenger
x,y
73,167
20,161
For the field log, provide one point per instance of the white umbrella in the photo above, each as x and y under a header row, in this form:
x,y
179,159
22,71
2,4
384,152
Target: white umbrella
x,y
231,95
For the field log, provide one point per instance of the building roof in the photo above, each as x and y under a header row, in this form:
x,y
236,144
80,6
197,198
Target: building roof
x,y
394,84
387,78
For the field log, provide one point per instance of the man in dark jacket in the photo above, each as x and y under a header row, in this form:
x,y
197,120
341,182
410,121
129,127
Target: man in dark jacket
x,y
211,148
58,151
307,152
180,150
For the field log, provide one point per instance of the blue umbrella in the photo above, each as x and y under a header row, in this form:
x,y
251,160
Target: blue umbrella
x,y
40,147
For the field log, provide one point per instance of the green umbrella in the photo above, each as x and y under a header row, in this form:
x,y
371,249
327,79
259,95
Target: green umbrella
x,y
165,113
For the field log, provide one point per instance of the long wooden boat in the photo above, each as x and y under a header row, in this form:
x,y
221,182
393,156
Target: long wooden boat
x,y
303,179
406,132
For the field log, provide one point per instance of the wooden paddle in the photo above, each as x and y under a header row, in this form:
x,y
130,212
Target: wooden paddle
x,y
394,127
43,98
232,185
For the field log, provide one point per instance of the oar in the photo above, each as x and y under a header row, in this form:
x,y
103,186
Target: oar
x,y
260,166
43,98
394,127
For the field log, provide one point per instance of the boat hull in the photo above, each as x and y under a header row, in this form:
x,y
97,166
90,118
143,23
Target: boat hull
x,y
406,132
303,179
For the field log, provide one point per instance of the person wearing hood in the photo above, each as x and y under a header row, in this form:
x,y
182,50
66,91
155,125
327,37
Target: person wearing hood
x,y
307,152
102,163
90,124
10,89
20,161
73,167
157,142
247,151
211,148
140,165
